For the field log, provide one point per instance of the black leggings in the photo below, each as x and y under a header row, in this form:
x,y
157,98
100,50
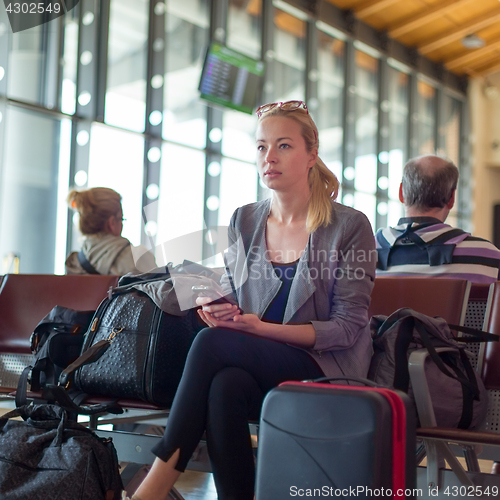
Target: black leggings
x,y
226,377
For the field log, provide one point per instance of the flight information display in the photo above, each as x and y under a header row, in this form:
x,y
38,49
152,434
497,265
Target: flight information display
x,y
231,79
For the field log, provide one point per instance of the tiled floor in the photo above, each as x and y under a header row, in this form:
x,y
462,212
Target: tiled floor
x,y
191,485
196,486
200,486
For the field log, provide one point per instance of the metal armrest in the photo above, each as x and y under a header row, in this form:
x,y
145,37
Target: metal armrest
x,y
416,368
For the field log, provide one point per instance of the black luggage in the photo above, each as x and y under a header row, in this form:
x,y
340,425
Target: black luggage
x,y
139,350
51,457
323,440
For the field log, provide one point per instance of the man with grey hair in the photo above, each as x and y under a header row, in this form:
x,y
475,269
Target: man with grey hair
x,y
422,243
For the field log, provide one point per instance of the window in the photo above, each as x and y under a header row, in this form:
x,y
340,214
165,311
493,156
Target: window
x,y
184,116
29,192
290,57
244,27
180,205
70,55
366,122
238,187
398,138
328,112
450,133
116,161
127,59
426,118
243,35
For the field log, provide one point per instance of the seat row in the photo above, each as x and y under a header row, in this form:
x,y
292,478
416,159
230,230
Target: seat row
x,y
26,299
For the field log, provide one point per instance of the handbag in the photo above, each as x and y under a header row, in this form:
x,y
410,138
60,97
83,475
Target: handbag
x,y
50,456
133,349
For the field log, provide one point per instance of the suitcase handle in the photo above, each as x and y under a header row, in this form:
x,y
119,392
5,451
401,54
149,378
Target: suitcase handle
x,y
363,381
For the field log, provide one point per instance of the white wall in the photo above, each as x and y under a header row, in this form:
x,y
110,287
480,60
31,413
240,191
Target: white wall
x,y
485,130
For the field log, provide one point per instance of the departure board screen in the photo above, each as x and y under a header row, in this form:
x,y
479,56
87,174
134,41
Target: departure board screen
x,y
231,79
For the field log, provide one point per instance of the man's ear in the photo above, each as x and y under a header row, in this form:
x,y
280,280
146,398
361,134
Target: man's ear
x,y
450,204
401,197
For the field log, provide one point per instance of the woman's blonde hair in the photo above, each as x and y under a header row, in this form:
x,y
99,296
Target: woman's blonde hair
x,y
323,183
95,206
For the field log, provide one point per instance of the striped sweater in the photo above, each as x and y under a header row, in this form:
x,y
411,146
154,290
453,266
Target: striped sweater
x,y
426,246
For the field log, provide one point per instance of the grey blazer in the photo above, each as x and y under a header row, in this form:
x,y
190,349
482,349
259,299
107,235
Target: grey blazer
x,y
331,288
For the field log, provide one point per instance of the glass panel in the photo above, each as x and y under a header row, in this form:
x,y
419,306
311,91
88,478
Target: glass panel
x,y
398,128
328,113
426,118
290,57
238,135
62,193
366,173
180,205
366,88
116,161
29,190
238,187
127,60
70,56
244,35
244,27
366,203
184,116
395,173
451,132
451,128
29,68
395,213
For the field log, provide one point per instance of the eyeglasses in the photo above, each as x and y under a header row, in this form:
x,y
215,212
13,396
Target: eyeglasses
x,y
287,105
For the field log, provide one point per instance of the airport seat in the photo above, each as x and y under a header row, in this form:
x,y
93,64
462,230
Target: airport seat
x,y
488,435
433,296
25,299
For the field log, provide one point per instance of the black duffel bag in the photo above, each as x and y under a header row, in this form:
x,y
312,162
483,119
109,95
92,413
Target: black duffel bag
x,y
49,456
133,350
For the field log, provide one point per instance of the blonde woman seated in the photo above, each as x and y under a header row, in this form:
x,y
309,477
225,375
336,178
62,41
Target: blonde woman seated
x,y
104,250
311,267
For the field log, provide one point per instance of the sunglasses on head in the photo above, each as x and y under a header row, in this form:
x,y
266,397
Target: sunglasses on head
x,y
287,105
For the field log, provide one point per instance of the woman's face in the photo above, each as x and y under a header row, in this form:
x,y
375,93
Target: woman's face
x,y
282,158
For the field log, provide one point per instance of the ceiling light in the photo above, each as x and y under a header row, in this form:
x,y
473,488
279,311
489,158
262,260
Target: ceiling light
x,y
473,42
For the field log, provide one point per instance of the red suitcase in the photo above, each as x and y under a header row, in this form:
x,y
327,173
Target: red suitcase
x,y
337,441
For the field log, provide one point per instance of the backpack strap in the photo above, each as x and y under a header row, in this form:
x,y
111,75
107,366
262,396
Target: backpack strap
x,y
84,262
439,362
40,362
476,335
403,340
436,250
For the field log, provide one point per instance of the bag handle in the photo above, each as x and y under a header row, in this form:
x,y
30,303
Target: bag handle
x,y
92,354
62,397
359,380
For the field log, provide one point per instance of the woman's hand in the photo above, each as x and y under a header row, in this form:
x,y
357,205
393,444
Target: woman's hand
x,y
216,312
249,323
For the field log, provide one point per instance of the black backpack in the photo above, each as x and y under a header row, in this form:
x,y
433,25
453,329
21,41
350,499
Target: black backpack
x,y
55,343
49,456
